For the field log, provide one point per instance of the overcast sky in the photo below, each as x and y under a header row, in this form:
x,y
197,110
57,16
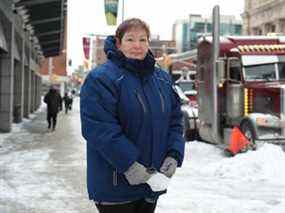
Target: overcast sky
x,y
87,16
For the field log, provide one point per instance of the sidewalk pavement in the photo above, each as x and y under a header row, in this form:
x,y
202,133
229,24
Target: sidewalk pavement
x,y
43,171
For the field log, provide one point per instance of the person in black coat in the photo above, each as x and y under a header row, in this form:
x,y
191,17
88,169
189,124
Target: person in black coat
x,y
54,105
67,102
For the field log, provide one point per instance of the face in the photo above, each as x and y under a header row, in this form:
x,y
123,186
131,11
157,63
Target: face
x,y
134,44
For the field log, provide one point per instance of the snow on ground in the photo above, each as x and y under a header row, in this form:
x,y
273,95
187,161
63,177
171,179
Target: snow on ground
x,y
16,129
208,182
211,183
28,175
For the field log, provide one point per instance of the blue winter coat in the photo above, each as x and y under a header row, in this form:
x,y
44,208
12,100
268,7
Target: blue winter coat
x,y
129,112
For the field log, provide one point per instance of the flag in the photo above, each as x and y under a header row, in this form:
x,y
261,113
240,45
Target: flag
x,y
111,11
86,47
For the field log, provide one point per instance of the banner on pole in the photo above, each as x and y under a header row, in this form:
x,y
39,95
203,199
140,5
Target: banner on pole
x,y
86,47
111,11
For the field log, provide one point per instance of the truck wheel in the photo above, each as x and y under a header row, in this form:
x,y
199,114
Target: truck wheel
x,y
248,131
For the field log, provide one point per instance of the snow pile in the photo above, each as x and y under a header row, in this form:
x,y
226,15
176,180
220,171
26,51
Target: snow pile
x,y
2,139
278,208
263,164
209,182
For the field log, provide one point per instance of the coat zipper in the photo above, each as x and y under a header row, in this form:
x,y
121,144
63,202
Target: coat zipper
x,y
115,178
141,102
150,117
162,101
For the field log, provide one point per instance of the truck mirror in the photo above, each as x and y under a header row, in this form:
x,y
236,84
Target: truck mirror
x,y
220,64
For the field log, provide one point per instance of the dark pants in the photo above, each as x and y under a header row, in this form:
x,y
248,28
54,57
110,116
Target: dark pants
x,y
51,119
67,107
139,206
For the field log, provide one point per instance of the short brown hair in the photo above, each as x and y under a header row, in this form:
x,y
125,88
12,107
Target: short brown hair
x,y
133,23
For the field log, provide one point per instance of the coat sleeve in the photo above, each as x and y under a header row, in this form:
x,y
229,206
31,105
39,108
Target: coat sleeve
x,y
176,142
100,124
60,102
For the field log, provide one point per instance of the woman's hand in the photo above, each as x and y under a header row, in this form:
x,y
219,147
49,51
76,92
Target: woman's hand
x,y
169,166
137,174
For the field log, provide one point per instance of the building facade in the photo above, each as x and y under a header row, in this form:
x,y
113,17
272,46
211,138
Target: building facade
x,y
181,35
187,32
53,70
29,31
262,17
159,47
98,56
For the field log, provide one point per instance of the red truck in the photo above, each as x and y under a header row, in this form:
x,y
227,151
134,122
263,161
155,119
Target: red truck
x,y
241,83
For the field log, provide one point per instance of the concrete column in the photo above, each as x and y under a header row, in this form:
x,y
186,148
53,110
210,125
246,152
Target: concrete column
x,y
277,26
34,92
31,91
35,96
26,92
18,80
280,25
38,91
40,85
22,91
6,79
17,105
263,29
27,101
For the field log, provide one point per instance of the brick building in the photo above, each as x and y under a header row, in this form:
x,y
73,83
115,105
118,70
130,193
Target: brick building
x,y
157,46
53,69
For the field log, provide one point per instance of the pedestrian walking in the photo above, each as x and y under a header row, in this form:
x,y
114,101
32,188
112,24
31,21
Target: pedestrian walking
x,y
67,102
54,105
132,122
71,96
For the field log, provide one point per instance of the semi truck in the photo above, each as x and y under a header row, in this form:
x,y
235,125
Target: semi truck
x,y
241,83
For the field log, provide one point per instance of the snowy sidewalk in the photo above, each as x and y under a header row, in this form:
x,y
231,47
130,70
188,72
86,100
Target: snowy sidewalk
x,y
43,171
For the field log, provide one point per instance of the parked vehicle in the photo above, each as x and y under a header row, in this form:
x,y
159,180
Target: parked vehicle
x,y
190,115
182,75
189,89
241,83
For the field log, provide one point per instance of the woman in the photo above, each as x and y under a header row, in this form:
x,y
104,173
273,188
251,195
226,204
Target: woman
x,y
131,120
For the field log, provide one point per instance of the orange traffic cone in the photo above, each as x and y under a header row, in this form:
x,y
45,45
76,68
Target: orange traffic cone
x,y
238,142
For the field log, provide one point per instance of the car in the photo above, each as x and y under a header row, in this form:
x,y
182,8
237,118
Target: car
x,y
189,89
190,115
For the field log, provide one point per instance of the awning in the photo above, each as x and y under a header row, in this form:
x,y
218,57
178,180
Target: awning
x,y
3,43
45,19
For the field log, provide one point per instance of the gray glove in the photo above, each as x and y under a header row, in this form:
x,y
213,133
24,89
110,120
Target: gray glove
x,y
137,174
169,166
